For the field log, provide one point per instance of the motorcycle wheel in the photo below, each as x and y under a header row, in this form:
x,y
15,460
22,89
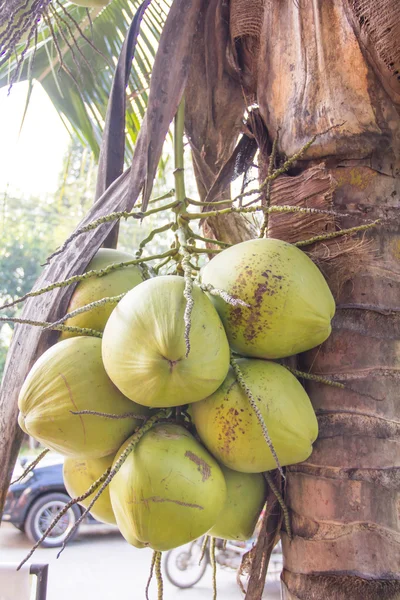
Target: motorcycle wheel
x,y
182,566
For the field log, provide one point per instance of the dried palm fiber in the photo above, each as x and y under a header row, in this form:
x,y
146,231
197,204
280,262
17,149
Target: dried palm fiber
x,y
246,18
377,24
245,24
314,188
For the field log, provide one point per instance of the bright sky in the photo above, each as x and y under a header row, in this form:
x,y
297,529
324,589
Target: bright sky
x,y
30,162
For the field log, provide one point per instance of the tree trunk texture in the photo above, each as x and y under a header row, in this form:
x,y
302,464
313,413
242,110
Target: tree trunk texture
x,y
344,501
311,66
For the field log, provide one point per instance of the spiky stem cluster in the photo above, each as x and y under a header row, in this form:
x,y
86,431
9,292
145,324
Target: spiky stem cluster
x,y
115,216
241,381
31,466
214,567
88,275
203,548
188,295
232,300
64,510
116,467
316,378
87,308
158,573
282,504
334,234
47,325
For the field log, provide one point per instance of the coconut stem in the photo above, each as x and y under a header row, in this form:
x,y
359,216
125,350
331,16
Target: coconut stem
x,y
88,275
153,562
47,325
203,548
209,240
158,572
116,467
115,216
31,466
264,225
214,567
317,378
335,234
282,504
151,235
270,209
127,415
232,300
249,394
64,510
88,307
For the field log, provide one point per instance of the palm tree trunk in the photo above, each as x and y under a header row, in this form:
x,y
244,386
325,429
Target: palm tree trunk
x,y
344,499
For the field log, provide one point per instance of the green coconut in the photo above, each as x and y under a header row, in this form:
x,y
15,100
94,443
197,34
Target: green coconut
x,y
245,498
144,345
89,290
228,426
169,490
70,376
79,474
291,306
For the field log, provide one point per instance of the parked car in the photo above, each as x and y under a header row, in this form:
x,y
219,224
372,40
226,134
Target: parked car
x,y
32,503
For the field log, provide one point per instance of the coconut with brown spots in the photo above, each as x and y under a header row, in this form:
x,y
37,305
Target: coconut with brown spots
x,y
291,306
144,349
228,426
67,378
169,490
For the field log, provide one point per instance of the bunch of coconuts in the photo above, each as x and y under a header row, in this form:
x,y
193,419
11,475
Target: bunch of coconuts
x,y
179,483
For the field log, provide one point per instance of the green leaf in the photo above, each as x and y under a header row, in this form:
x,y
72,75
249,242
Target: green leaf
x,y
80,91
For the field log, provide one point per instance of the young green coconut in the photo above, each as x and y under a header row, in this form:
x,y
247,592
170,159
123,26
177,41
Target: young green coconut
x,y
291,306
169,490
79,474
144,350
245,498
69,377
228,426
96,288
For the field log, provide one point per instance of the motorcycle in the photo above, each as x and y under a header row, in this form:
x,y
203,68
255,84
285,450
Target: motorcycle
x,y
184,569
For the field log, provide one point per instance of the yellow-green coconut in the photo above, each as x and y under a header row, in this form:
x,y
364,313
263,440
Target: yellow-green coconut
x,y
79,474
70,376
96,288
245,498
228,426
169,490
144,349
291,306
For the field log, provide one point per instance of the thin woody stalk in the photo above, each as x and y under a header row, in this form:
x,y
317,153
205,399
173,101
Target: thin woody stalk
x,y
88,275
47,325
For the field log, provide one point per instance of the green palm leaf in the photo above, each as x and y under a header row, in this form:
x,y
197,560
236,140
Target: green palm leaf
x,y
81,89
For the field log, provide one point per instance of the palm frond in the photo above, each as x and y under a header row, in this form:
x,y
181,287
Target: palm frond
x,y
74,60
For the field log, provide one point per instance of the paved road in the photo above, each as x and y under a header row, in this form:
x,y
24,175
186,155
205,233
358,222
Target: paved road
x,y
100,565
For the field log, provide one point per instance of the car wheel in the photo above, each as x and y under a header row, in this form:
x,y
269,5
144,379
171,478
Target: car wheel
x,y
41,514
